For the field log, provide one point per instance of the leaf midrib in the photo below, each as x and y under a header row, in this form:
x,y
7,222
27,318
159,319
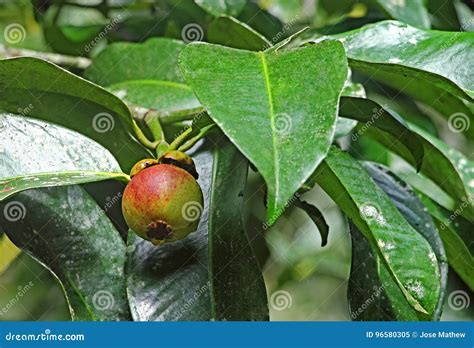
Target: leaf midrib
x,y
153,82
266,77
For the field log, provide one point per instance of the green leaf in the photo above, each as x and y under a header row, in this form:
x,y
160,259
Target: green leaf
x,y
430,66
148,84
166,97
65,230
222,7
155,59
434,57
30,146
406,255
395,131
12,185
412,12
35,88
456,234
279,109
228,31
415,213
237,286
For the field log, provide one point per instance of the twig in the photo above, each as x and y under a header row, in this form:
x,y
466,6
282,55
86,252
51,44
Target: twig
x,y
59,59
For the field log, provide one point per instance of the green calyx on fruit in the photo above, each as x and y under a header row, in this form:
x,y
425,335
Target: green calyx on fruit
x,y
140,165
181,160
162,203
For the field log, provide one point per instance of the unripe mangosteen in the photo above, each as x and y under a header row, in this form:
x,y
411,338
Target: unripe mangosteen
x,y
162,203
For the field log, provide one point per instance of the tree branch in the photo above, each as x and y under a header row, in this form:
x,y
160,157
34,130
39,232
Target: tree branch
x,y
59,59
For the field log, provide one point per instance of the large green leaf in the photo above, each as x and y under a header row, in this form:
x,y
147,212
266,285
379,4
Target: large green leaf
x,y
16,143
35,88
435,57
64,228
237,286
145,74
30,146
407,256
430,66
364,271
155,59
228,31
278,108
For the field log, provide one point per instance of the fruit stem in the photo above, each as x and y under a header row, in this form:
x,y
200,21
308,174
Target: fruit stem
x,y
154,124
142,137
190,143
180,139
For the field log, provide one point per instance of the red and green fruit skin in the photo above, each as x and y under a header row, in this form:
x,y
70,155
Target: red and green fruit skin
x,y
162,203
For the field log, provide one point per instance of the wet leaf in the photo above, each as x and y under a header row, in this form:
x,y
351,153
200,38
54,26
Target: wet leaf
x,y
407,256
367,283
63,228
35,88
238,290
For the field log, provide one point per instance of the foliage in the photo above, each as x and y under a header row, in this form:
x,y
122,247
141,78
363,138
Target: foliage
x,y
238,85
